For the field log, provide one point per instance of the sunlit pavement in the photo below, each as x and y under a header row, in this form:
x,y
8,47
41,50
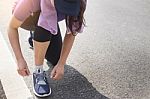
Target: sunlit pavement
x,y
110,59
13,85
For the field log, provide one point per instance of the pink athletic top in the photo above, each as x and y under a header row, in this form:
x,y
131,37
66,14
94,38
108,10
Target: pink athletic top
x,y
48,16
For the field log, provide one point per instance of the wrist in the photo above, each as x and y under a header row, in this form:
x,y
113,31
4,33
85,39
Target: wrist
x,y
61,64
19,57
20,60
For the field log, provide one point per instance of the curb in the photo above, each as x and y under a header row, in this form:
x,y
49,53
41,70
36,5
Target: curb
x,y
13,84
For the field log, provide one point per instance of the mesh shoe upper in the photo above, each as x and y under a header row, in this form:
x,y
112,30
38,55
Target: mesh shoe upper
x,y
41,85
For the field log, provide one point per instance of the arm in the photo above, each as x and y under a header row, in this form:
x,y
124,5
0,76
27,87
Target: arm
x,y
21,11
58,70
67,45
14,37
14,41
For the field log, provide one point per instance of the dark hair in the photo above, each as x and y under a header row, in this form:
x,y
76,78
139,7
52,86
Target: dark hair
x,y
77,21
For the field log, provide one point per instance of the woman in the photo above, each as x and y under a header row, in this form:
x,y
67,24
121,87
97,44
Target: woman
x,y
47,29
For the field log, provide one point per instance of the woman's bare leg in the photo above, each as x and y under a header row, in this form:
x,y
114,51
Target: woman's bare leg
x,y
40,49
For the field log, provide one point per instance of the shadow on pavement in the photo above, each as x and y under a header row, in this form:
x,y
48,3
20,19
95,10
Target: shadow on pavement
x,y
2,93
73,86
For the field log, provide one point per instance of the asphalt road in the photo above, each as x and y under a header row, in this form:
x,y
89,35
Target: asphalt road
x,y
2,93
109,60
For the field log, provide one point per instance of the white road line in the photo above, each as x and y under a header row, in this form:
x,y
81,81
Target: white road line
x,y
13,84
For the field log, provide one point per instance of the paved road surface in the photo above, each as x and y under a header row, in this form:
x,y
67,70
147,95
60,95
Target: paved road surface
x,y
110,59
2,94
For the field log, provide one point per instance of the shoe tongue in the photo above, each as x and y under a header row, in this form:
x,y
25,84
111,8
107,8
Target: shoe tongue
x,y
40,77
42,82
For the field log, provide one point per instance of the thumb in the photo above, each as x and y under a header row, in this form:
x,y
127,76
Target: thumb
x,y
28,72
53,73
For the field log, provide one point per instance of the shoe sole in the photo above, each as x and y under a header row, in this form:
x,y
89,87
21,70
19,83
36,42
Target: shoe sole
x,y
45,95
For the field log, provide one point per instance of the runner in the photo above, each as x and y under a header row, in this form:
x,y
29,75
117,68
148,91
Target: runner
x,y
45,32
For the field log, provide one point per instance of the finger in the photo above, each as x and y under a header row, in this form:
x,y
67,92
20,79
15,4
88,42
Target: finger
x,y
24,73
53,73
28,72
21,72
57,76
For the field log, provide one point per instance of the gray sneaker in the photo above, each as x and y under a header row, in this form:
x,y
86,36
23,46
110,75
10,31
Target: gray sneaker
x,y
40,85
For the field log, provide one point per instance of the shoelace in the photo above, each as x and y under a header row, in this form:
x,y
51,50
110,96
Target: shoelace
x,y
41,79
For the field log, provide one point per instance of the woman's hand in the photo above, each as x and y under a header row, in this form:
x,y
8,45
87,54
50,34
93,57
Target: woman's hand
x,y
57,72
23,68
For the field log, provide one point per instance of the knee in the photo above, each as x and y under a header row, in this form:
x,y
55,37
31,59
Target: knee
x,y
42,35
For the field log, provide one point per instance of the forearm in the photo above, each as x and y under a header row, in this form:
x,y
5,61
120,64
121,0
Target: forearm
x,y
14,41
67,45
